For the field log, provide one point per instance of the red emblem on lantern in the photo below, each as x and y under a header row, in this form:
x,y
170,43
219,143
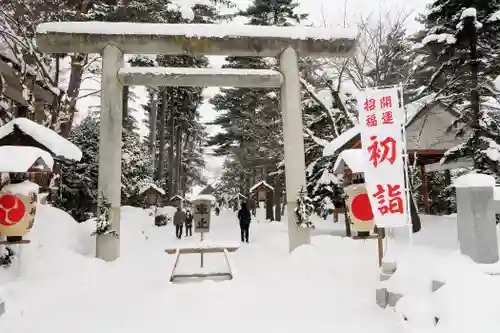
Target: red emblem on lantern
x,y
361,207
12,210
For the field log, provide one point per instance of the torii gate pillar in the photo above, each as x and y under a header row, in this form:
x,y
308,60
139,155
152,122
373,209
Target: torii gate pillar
x,y
295,164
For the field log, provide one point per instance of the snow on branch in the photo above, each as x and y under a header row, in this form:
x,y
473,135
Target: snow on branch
x,y
321,142
494,17
310,90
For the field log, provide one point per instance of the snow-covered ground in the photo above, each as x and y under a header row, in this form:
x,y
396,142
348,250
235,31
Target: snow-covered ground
x,y
326,287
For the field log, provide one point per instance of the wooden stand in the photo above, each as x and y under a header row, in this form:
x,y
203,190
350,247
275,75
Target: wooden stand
x,y
379,236
23,241
201,251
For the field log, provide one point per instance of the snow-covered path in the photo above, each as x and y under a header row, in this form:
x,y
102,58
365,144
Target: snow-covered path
x,y
328,286
271,290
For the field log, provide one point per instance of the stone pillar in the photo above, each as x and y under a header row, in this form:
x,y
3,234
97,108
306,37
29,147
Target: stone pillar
x,y
476,223
110,138
295,166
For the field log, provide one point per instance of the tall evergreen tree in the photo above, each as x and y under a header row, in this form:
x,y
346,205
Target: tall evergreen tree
x,y
457,58
77,193
250,118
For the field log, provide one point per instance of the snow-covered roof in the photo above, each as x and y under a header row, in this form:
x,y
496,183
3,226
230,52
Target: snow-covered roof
x,y
352,158
177,197
208,197
151,186
261,183
58,145
21,158
337,143
412,111
239,195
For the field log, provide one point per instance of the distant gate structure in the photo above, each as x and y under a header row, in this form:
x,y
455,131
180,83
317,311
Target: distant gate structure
x,y
113,40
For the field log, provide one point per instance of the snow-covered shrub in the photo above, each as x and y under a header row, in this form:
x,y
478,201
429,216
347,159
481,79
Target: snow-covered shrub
x,y
6,257
304,210
103,227
161,220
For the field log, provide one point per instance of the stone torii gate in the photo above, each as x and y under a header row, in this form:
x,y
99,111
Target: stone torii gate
x,y
113,40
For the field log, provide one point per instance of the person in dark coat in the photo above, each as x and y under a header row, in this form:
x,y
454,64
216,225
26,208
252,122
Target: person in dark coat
x,y
179,218
217,211
244,217
189,223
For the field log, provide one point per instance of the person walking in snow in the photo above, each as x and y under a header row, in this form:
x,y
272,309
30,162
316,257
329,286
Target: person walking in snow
x,y
179,218
189,223
217,211
244,217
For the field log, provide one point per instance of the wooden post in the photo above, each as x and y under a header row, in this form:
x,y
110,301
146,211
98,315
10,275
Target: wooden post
x,y
348,231
201,253
380,245
425,189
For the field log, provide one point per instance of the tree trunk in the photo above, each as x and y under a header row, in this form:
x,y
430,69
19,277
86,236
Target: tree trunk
x,y
178,161
78,62
161,156
125,94
277,198
152,134
269,202
474,94
171,161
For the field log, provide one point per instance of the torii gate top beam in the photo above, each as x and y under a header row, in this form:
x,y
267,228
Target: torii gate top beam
x,y
194,39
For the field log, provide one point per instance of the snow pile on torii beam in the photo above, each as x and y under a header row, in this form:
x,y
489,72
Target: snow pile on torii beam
x,y
194,39
59,146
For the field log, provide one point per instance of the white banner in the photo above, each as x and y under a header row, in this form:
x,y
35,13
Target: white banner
x,y
381,119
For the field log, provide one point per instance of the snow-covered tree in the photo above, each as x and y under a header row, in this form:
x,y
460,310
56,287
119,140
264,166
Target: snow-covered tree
x,y
77,192
329,101
458,60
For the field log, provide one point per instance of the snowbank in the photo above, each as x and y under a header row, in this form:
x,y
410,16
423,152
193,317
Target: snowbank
x,y
326,286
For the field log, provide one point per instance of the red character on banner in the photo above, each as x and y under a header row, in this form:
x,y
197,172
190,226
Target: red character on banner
x,y
390,202
370,104
387,118
386,102
381,151
371,120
